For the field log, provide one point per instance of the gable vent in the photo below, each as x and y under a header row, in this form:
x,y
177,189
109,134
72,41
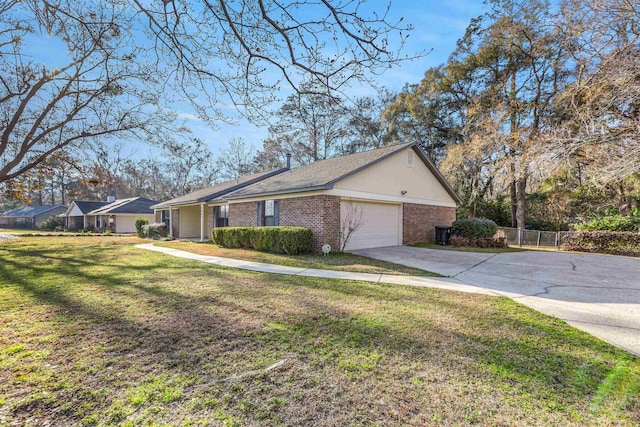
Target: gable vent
x,y
410,158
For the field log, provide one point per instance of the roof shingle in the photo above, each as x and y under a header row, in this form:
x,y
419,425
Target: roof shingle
x,y
30,211
319,175
87,206
209,193
133,205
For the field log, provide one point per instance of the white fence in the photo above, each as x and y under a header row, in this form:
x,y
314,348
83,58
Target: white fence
x,y
537,238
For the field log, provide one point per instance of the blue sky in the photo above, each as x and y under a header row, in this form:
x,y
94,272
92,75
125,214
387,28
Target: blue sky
x,y
437,27
438,24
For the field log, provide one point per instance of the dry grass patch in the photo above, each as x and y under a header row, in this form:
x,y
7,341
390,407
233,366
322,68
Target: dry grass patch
x,y
334,261
93,332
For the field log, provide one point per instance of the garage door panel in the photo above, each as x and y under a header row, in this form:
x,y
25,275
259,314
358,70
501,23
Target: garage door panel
x,y
379,225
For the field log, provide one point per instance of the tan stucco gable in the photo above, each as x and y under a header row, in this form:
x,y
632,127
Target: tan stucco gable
x,y
392,176
73,210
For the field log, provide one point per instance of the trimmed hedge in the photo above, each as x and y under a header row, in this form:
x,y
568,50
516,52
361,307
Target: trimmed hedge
x,y
482,242
157,230
604,242
476,228
278,240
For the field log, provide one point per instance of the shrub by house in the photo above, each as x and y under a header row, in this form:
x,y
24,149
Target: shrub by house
x,y
279,240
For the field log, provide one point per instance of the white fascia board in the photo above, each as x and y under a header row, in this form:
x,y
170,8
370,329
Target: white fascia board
x,y
178,206
124,214
360,195
280,196
217,203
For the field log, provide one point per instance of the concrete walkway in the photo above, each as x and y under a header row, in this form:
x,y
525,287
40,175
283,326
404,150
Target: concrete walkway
x,y
601,297
425,282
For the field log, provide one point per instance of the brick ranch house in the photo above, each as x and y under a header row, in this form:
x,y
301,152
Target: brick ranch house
x,y
389,196
29,216
118,216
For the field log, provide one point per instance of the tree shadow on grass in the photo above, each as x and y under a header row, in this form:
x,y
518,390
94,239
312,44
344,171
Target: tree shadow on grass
x,y
221,313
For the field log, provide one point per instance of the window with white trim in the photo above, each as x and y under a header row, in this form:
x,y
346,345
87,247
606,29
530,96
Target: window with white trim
x,y
268,213
221,215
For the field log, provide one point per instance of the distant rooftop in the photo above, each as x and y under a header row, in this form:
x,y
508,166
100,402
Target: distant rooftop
x,y
133,205
30,211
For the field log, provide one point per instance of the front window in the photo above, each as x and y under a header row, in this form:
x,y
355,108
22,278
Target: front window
x,y
269,213
221,215
164,217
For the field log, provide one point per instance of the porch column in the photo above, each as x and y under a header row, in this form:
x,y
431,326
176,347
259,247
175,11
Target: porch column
x,y
203,220
170,223
84,222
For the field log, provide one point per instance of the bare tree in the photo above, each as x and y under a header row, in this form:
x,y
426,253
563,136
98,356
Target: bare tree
x,y
244,50
128,56
310,126
236,160
350,223
598,116
98,90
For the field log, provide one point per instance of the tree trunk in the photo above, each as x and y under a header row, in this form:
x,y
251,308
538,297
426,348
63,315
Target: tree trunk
x,y
62,186
521,195
514,202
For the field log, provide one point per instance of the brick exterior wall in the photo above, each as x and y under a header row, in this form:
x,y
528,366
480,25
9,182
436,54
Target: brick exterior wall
x,y
322,215
319,213
158,216
419,221
243,214
175,223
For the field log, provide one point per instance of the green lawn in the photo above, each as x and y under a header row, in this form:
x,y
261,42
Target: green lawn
x,y
334,261
96,332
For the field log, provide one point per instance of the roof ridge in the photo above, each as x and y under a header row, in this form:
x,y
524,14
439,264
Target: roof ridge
x,y
310,176
386,147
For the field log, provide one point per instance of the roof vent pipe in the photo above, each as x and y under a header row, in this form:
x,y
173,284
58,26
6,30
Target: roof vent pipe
x,y
288,160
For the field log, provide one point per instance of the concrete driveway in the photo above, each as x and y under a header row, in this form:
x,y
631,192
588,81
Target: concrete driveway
x,y
599,294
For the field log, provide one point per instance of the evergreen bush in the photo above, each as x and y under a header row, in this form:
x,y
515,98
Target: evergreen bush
x,y
611,223
604,242
156,231
279,240
51,223
476,228
141,222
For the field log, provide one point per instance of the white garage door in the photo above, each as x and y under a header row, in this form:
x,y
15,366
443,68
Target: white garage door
x,y
127,223
380,224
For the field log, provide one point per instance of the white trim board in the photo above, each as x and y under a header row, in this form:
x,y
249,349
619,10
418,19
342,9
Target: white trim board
x,y
385,198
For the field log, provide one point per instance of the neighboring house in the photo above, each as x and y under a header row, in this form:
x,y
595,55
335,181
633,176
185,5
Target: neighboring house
x,y
29,216
118,216
77,215
389,196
